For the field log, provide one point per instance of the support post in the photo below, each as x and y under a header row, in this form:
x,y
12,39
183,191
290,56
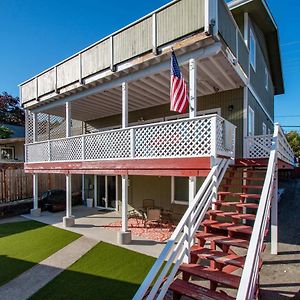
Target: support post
x,y
68,119
69,219
83,187
36,211
95,190
274,216
192,179
124,104
124,236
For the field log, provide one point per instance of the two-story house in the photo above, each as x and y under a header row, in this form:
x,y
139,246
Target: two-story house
x,y
105,113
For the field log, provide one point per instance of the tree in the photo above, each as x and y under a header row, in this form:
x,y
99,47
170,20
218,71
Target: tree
x,y
10,110
5,132
293,138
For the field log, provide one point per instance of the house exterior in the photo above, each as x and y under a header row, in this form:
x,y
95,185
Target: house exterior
x,y
12,148
104,113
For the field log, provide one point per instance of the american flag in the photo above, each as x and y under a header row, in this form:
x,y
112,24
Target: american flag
x,y
178,92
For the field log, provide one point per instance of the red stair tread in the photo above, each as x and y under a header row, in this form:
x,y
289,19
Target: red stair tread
x,y
224,240
211,274
245,178
218,256
228,226
196,292
241,195
247,205
243,186
255,171
220,213
250,217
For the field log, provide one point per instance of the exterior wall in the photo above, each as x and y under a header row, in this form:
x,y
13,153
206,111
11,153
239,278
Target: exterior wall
x,y
257,76
260,116
19,150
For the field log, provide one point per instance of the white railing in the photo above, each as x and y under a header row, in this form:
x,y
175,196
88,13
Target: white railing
x,y
249,279
259,146
166,266
198,137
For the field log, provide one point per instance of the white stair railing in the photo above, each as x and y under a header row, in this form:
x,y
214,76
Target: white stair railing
x,y
166,266
249,279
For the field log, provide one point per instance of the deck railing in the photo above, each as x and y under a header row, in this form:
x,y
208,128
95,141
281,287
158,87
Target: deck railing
x,y
197,137
259,146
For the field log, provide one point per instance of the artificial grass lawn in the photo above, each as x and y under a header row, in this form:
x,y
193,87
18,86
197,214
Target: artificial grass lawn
x,y
105,272
24,244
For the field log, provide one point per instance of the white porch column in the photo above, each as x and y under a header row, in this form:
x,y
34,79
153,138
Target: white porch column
x,y
192,179
35,211
124,236
274,217
68,119
95,190
68,220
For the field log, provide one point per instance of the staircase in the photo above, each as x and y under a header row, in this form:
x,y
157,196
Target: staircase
x,y
218,255
215,250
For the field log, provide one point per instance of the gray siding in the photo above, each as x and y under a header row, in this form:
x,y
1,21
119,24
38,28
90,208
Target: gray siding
x,y
257,76
259,116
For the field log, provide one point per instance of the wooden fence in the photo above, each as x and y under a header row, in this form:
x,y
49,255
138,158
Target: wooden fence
x,y
15,184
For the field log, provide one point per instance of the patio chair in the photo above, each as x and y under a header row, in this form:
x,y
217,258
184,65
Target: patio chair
x,y
153,217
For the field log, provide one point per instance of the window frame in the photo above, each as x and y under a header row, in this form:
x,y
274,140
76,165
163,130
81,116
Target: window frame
x,y
266,79
173,200
252,43
264,128
12,148
251,112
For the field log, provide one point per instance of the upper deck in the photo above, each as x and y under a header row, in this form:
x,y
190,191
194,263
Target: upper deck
x,y
185,24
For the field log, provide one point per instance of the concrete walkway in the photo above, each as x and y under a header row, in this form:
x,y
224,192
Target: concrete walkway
x,y
29,282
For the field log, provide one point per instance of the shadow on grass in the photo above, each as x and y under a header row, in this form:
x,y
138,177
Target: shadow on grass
x,y
7,229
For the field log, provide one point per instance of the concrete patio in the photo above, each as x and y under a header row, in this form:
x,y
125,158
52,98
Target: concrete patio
x,y
90,223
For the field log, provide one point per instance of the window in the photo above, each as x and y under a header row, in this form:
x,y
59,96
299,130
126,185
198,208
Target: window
x,y
264,129
269,131
266,79
180,189
250,121
7,153
252,50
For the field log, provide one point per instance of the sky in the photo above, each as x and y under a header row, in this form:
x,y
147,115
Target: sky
x,y
35,35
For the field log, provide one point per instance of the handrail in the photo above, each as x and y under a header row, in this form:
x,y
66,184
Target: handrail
x,y
249,277
176,248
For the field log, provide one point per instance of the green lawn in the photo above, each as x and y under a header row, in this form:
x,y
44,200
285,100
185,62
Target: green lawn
x,y
23,244
105,272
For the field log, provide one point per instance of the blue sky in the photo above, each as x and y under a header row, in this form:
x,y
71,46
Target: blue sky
x,y
37,34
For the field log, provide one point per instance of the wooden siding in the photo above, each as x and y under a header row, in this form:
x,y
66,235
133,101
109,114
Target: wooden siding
x,y
180,19
257,77
173,21
232,35
133,41
222,100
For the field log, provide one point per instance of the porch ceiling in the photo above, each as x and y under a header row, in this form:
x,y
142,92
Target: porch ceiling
x,y
215,74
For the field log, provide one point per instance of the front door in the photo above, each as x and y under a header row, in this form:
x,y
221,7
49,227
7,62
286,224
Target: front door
x,y
106,190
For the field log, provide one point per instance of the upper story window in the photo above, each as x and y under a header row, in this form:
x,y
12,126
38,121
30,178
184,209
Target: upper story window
x,y
250,121
252,50
266,79
264,129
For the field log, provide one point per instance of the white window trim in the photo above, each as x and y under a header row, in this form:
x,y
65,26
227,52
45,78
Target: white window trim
x,y
253,126
252,37
173,194
264,128
266,79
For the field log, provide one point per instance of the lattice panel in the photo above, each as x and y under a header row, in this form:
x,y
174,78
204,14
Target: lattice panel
x,y
42,127
57,127
66,149
29,127
225,137
187,138
259,146
37,152
106,145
